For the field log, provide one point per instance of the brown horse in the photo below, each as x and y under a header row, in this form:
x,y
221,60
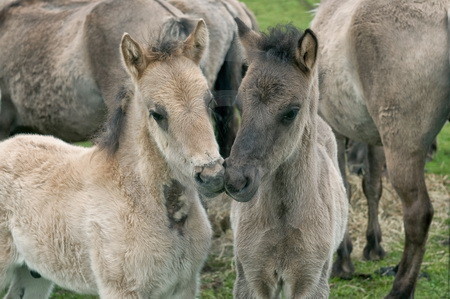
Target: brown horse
x,y
122,219
290,212
385,80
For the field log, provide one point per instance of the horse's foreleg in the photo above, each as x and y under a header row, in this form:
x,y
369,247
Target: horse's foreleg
x,y
323,288
188,290
241,287
26,286
406,172
372,187
343,266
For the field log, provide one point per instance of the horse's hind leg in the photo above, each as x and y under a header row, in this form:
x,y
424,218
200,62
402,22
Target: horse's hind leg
x,y
372,187
343,266
26,285
406,172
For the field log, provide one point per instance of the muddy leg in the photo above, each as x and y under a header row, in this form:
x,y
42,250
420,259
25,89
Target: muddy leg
x,y
372,187
406,172
26,286
343,266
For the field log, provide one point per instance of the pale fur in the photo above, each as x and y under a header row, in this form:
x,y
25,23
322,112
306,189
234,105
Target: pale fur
x,y
95,221
285,236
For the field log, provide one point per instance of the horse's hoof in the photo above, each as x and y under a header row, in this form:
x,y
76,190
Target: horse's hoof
x,y
343,270
373,253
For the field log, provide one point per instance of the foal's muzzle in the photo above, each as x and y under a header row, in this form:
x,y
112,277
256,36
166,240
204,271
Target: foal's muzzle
x,y
210,178
241,182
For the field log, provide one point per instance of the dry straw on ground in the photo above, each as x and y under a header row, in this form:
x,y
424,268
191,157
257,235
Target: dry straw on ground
x,y
390,215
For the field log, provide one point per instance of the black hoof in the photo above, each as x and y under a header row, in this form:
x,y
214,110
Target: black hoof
x,y
343,270
373,253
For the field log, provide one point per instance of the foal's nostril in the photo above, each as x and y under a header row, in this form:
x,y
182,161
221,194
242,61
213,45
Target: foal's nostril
x,y
238,184
198,178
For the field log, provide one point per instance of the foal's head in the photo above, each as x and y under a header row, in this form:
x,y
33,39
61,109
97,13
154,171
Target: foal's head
x,y
171,91
279,96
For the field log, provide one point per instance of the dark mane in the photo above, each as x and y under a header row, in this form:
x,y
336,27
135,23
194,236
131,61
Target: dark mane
x,y
280,42
169,41
108,139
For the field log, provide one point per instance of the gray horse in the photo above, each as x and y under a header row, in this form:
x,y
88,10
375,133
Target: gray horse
x,y
290,212
385,80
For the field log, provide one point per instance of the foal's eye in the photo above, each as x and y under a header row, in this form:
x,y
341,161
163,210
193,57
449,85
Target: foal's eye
x,y
290,115
158,117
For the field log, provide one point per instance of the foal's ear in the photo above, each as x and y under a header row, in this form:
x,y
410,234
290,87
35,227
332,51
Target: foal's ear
x,y
133,56
306,53
248,37
196,43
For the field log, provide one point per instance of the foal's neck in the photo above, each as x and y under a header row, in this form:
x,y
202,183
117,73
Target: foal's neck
x,y
297,176
138,156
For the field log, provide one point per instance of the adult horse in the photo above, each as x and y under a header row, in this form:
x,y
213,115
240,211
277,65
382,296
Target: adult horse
x,y
385,80
68,96
122,219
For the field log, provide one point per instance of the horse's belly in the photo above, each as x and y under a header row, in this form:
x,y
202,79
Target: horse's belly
x,y
55,256
63,101
343,107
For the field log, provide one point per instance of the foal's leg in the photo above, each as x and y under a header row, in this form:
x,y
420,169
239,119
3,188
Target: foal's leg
x,y
406,172
189,289
323,288
343,266
241,287
25,286
372,187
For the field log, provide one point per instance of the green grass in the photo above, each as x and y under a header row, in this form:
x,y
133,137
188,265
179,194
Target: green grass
x,y
270,13
441,161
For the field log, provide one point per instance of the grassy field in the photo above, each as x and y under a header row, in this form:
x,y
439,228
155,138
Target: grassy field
x,y
218,274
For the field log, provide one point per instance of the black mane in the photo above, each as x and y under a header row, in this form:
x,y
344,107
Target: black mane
x,y
280,42
171,36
